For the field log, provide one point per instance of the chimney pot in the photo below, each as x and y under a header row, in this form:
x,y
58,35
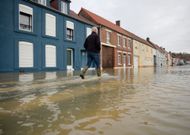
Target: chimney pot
x,y
118,22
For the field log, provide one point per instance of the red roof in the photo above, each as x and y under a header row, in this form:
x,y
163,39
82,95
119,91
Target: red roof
x,y
101,21
80,18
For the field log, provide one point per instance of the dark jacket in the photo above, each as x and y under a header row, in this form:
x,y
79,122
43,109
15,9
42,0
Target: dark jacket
x,y
92,43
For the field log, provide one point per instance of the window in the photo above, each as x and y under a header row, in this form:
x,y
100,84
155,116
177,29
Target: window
x,y
69,34
124,59
88,31
119,59
25,18
25,54
50,28
108,37
50,55
124,42
43,2
70,56
69,30
119,40
129,59
64,7
129,44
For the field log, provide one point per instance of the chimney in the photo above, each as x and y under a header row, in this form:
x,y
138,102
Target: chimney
x,y
118,22
148,39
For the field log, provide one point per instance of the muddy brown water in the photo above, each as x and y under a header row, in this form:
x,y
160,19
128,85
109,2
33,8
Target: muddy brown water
x,y
145,101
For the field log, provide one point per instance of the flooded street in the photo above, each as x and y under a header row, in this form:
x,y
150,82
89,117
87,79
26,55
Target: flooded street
x,y
144,101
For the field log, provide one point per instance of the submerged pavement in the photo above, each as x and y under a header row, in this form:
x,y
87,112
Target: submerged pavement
x,y
124,101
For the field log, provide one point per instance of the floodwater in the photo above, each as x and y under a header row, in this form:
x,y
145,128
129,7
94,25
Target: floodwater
x,y
144,101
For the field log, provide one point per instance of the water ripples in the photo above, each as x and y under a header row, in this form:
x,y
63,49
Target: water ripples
x,y
144,102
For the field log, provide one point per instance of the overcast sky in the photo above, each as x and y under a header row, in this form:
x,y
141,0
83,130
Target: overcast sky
x,y
166,22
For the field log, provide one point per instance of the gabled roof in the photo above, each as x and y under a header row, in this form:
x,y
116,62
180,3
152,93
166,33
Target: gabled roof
x,y
80,18
133,36
102,21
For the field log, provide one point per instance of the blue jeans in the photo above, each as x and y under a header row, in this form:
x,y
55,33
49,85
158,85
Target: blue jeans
x,y
93,57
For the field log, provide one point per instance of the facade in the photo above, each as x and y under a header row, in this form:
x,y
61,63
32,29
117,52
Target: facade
x,y
41,35
45,35
143,53
117,46
162,57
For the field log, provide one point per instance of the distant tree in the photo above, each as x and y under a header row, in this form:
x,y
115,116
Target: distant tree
x,y
184,56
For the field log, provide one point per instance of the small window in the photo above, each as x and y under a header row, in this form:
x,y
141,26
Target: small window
x,y
124,42
119,40
64,7
69,30
88,31
50,28
43,2
108,37
25,18
69,34
129,44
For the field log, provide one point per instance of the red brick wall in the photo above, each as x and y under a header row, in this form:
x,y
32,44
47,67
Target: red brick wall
x,y
103,35
54,4
118,48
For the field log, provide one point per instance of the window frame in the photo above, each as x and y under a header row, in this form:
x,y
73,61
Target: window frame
x,y
20,56
124,42
47,29
129,44
70,36
119,59
47,64
71,27
108,37
119,40
28,11
129,59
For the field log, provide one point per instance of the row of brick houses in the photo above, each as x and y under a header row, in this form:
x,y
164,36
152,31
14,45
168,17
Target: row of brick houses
x,y
43,35
117,49
121,48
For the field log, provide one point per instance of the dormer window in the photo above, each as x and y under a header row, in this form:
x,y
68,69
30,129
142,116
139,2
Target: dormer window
x,y
64,7
43,2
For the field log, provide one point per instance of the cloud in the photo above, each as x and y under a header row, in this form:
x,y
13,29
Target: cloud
x,y
166,22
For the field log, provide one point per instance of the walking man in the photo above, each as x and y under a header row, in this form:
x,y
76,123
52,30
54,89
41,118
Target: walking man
x,y
93,47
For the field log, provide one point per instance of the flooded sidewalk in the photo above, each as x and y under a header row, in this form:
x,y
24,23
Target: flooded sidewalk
x,y
145,101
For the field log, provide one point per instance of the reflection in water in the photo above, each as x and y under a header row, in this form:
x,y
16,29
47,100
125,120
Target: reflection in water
x,y
135,102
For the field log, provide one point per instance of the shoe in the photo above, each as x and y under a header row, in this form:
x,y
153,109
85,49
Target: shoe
x,y
98,70
82,76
